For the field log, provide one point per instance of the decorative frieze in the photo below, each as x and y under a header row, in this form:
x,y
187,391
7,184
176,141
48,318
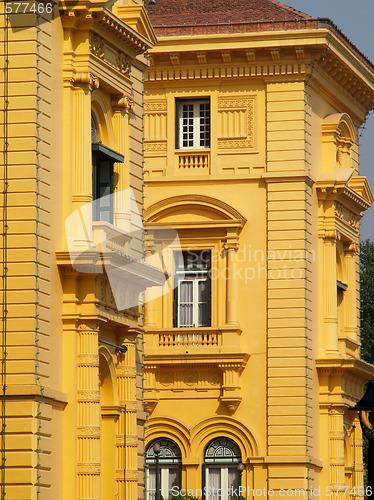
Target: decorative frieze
x,y
347,216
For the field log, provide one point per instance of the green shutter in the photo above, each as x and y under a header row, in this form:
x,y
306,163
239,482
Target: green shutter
x,y
177,122
175,302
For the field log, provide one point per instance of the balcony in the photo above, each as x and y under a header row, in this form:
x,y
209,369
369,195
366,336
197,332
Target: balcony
x,y
201,353
198,345
197,161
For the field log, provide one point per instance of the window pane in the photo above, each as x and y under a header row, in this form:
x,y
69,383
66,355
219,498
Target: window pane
x,y
173,480
187,125
214,482
204,125
151,486
233,481
186,304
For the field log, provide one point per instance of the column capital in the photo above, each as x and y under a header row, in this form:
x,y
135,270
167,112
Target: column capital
x,y
122,103
82,80
351,248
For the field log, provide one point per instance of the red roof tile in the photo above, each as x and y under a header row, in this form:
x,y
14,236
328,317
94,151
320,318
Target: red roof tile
x,y
201,12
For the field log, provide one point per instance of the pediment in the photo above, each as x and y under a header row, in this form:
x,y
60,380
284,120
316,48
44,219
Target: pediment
x,y
361,186
193,209
136,17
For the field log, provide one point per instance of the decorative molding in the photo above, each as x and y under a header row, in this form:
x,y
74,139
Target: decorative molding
x,y
155,106
131,475
230,106
174,59
275,55
88,431
126,371
88,359
123,64
155,146
250,55
90,468
288,71
91,396
226,56
347,216
201,57
97,45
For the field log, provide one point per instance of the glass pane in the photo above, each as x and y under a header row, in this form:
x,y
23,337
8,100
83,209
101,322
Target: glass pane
x,y
233,480
186,304
187,125
186,291
203,291
214,483
173,481
151,486
205,125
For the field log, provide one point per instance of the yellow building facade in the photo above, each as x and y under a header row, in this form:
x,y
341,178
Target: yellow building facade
x,y
252,117
72,330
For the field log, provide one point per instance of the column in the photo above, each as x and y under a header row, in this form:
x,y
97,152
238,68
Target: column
x,y
82,157
88,410
337,462
331,297
126,438
122,105
231,285
350,295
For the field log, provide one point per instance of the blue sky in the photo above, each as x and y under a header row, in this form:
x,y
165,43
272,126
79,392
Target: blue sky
x,y
355,19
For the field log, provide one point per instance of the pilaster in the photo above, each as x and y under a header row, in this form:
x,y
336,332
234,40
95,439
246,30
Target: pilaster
x,y
88,414
330,294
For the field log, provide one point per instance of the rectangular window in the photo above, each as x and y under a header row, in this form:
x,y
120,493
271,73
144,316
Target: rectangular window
x,y
192,295
193,124
103,159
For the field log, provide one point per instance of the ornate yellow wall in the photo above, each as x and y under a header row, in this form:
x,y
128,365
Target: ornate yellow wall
x,y
276,198
73,406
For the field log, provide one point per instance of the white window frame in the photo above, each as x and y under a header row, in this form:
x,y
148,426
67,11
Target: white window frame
x,y
196,123
195,280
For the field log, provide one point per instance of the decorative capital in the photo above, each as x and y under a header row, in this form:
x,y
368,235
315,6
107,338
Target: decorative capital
x,y
122,102
86,79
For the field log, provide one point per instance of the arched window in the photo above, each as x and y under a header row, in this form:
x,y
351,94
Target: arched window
x,y
221,474
170,462
103,160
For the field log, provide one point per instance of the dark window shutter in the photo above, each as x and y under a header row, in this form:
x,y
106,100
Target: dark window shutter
x,y
209,301
94,185
177,115
175,303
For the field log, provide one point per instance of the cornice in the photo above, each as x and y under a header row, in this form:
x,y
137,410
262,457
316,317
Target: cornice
x,y
270,57
86,18
338,189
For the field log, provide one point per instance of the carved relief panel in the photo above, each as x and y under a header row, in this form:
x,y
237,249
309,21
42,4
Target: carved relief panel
x,y
235,122
155,126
